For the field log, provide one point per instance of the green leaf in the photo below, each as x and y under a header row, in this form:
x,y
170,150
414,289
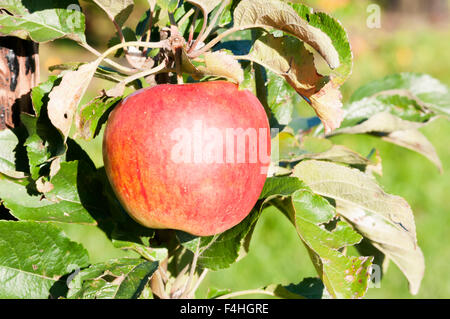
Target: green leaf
x,y
44,142
216,292
226,16
117,279
281,98
21,7
344,277
8,144
143,24
220,251
309,288
73,199
33,257
337,153
280,186
90,118
14,6
280,16
117,10
338,36
385,219
420,87
169,5
395,130
396,107
45,25
403,107
408,96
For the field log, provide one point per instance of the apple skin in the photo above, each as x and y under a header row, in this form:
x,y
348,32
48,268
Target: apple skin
x,y
199,198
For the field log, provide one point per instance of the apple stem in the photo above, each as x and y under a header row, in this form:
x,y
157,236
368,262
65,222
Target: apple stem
x,y
178,69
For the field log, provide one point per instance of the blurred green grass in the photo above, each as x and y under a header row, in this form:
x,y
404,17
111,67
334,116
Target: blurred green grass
x,y
276,253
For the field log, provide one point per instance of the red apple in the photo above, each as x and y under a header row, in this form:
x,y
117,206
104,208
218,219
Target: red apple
x,y
191,157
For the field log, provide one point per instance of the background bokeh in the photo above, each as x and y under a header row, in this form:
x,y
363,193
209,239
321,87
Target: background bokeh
x,y
414,36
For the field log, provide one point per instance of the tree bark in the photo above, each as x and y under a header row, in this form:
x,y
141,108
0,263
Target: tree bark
x,y
19,72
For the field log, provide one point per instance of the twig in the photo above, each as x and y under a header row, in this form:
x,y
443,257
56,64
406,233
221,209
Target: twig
x,y
246,292
178,66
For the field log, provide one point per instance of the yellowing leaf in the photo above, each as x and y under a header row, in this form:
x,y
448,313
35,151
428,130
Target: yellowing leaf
x,y
281,16
416,141
394,243
288,57
328,105
220,63
398,131
64,99
385,219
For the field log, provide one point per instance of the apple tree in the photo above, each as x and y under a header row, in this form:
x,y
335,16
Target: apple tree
x,y
272,48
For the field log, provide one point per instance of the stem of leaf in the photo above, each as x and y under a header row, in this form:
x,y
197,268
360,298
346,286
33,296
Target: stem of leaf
x,y
192,27
158,69
187,287
205,22
160,44
186,16
120,33
150,25
198,282
116,65
202,37
217,39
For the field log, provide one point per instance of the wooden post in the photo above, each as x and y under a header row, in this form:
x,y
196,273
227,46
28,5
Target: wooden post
x,y
19,72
